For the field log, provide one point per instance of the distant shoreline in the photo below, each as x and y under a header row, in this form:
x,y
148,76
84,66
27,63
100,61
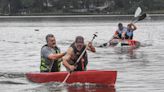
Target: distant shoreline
x,y
78,17
71,15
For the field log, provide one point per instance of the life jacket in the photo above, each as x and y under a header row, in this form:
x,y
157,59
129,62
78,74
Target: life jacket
x,y
45,65
129,34
119,32
81,65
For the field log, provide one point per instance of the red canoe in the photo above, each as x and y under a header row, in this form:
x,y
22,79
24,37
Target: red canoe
x,y
130,43
91,76
122,43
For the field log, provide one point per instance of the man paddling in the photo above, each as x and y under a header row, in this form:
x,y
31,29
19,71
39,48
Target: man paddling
x,y
119,32
74,52
129,32
118,36
50,56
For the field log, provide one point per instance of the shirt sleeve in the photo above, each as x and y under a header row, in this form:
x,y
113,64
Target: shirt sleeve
x,y
45,52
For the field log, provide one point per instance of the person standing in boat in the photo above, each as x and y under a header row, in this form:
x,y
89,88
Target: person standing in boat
x,y
129,32
74,52
51,56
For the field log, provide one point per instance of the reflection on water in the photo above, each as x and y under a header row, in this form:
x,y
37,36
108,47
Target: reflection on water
x,y
76,87
90,89
11,82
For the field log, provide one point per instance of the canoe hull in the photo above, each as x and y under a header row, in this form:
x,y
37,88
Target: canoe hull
x,y
98,77
122,43
127,43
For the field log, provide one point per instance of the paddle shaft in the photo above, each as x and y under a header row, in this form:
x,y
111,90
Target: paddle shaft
x,y
51,66
78,59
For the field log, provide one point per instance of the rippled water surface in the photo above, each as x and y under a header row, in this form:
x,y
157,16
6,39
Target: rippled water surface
x,y
138,70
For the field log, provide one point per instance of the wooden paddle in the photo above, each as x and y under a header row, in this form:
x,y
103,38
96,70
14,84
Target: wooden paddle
x,y
94,35
137,17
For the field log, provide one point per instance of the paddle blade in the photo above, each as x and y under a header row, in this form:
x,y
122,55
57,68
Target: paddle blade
x,y
119,44
143,16
103,45
137,12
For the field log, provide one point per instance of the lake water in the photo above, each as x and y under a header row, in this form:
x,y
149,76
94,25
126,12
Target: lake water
x,y
138,70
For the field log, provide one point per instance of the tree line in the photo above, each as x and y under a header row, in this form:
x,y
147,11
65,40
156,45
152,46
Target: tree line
x,y
60,7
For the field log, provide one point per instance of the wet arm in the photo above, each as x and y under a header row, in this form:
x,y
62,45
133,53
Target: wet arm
x,y
115,35
48,54
90,47
56,56
67,58
134,27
